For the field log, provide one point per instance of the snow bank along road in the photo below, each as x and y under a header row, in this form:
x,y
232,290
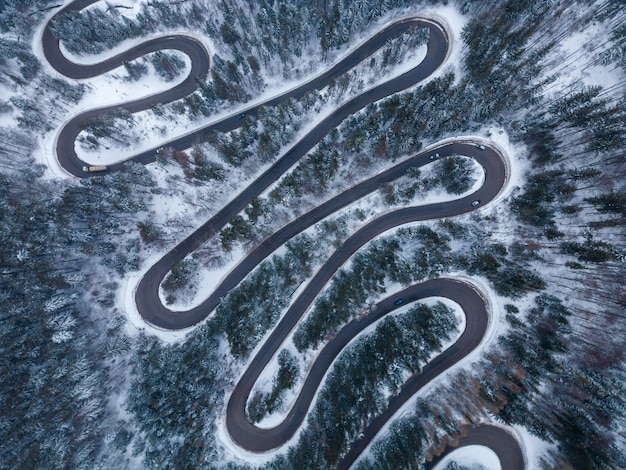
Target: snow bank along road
x,y
147,297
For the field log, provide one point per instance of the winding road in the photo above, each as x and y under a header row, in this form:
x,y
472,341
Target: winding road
x,y
147,298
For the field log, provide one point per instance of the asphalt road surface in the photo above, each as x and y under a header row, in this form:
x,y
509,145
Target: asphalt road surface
x,y
153,311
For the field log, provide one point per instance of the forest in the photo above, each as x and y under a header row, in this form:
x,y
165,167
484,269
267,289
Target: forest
x,y
85,388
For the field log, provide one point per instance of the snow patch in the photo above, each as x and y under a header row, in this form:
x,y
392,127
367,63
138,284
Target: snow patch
x,y
475,457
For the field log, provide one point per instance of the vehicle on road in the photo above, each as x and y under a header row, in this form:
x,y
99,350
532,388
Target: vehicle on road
x,y
476,202
241,116
480,146
399,302
434,157
93,168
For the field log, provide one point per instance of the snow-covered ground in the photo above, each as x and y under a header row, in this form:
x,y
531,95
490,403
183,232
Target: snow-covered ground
x,y
112,88
110,84
575,52
478,457
473,457
209,280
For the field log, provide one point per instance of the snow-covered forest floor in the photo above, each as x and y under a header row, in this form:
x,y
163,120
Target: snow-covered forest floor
x,y
545,83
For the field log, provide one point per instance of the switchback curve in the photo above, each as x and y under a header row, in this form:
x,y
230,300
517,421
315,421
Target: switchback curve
x,y
506,446
262,440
